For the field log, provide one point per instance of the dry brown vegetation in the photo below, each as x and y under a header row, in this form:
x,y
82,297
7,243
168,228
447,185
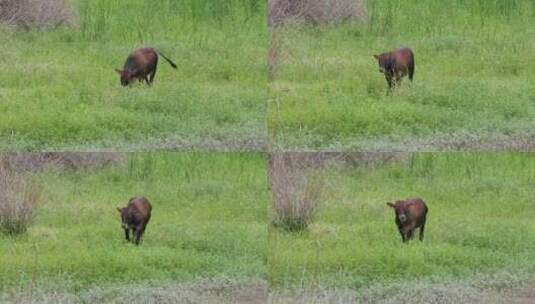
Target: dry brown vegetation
x,y
62,160
36,14
314,11
19,195
350,159
295,190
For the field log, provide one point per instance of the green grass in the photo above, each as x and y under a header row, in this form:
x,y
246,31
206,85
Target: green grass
x,y
474,79
208,223
59,90
480,224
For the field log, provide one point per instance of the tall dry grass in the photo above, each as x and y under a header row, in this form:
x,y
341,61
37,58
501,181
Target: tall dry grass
x,y
35,14
19,195
63,160
296,192
314,11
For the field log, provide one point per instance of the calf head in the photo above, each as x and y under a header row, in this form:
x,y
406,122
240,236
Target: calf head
x,y
401,212
126,76
386,63
124,217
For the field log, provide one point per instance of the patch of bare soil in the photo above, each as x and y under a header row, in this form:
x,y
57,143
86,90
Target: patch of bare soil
x,y
175,143
527,297
502,288
201,292
251,295
458,142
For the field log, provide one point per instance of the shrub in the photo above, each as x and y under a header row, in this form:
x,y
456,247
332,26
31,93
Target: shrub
x,y
36,14
295,190
63,160
314,11
18,197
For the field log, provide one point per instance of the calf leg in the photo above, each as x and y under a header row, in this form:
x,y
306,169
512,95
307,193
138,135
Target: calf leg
x,y
152,75
410,234
422,232
127,234
137,236
403,238
389,81
139,233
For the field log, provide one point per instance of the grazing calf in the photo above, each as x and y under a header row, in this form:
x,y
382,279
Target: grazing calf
x,y
396,64
135,216
410,214
141,65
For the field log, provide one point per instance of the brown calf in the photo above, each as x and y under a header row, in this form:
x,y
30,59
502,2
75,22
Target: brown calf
x,y
141,65
410,214
396,64
135,216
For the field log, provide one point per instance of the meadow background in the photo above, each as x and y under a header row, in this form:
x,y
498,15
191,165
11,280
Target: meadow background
x,y
59,90
473,86
207,236
479,243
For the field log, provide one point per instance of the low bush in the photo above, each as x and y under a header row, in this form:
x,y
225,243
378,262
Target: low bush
x,y
18,197
296,192
33,14
314,11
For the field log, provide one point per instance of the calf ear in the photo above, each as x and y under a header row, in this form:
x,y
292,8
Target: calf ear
x,y
119,71
376,56
119,209
390,204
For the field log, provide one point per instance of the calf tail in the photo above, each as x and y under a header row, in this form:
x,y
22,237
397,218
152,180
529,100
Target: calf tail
x,y
167,59
411,67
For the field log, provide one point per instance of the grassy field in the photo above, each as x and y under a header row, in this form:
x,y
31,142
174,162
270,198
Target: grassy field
x,y
473,86
207,233
480,233
59,90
